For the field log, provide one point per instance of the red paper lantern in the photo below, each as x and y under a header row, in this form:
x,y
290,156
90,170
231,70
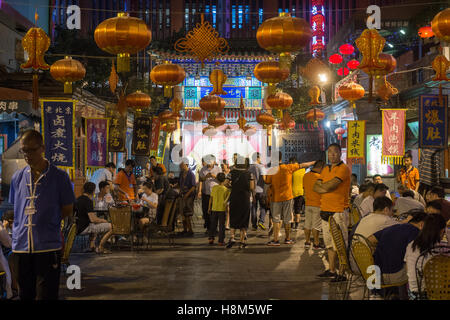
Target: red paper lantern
x,y
315,115
339,131
353,64
425,32
346,49
335,58
197,115
343,71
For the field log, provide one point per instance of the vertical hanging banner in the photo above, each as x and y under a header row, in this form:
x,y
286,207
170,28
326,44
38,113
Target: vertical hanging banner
x,y
96,142
356,138
142,128
158,140
393,148
117,133
58,126
433,122
154,136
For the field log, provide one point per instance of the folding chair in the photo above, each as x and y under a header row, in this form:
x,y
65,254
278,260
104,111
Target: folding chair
x,y
121,223
166,227
437,278
70,237
364,259
356,215
344,264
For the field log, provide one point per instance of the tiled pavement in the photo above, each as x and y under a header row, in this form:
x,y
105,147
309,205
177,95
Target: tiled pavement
x,y
195,270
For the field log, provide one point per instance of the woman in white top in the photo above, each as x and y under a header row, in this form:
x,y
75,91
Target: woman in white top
x,y
419,252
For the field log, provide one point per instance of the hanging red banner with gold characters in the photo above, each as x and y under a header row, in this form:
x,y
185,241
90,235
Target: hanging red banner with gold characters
x,y
393,148
356,137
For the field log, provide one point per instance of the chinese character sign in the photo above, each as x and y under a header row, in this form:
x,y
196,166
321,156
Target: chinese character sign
x,y
433,122
9,106
154,134
117,133
96,142
393,135
58,128
142,129
355,142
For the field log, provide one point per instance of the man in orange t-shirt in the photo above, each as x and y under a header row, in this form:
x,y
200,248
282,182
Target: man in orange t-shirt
x,y
312,205
410,176
334,188
126,182
153,164
281,208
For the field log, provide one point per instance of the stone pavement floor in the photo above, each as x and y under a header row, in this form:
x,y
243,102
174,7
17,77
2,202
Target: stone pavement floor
x,y
193,269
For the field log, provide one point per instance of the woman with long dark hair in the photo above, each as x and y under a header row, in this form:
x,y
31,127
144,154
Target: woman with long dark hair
x,y
419,252
242,185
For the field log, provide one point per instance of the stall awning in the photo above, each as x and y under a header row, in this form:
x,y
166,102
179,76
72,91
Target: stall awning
x,y
14,100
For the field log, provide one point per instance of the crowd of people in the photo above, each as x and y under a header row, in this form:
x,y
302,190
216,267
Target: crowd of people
x,y
400,227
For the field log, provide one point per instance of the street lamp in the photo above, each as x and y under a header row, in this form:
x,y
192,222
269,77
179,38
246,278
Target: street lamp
x,y
323,78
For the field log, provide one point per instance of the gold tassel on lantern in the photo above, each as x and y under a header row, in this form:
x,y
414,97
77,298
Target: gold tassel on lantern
x,y
167,91
67,87
123,62
285,60
35,91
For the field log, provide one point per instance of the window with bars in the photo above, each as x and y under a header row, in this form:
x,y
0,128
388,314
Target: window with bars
x,y
167,18
160,21
240,16
214,13
233,16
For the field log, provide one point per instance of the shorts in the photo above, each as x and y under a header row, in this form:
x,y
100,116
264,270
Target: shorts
x,y
342,221
187,206
282,211
312,218
299,202
97,228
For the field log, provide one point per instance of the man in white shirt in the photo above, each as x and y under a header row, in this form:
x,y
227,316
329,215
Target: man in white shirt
x,y
365,190
416,196
104,174
367,204
207,176
407,203
380,218
258,171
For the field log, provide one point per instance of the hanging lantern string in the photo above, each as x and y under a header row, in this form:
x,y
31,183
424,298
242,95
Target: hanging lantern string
x,y
140,58
296,12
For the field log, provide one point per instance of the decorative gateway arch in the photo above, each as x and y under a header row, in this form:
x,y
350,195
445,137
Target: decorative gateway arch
x,y
228,138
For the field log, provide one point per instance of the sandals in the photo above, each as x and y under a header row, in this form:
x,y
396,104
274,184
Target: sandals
x,y
103,251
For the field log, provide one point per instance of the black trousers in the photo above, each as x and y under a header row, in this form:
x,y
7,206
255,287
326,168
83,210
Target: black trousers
x,y
254,210
217,216
37,274
205,204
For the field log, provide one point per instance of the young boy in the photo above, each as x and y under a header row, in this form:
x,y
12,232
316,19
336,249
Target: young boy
x,y
217,209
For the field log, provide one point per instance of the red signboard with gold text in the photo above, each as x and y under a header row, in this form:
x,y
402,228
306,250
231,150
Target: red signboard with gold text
x,y
393,149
